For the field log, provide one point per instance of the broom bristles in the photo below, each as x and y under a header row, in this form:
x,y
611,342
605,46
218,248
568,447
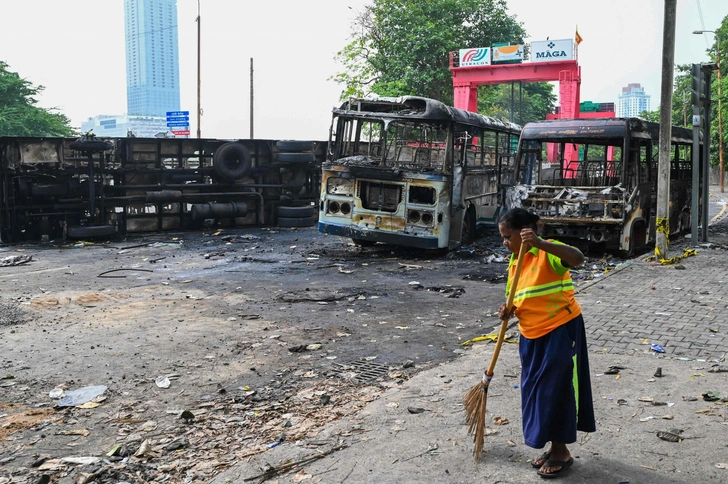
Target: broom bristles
x,y
474,404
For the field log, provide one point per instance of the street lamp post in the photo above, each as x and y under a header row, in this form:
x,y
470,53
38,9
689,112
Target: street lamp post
x,y
720,110
199,109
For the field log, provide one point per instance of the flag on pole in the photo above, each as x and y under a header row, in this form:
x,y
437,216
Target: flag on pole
x,y
577,37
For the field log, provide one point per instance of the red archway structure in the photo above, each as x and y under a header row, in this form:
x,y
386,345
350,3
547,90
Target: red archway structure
x,y
466,80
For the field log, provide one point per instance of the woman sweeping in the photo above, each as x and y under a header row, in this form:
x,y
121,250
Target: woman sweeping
x,y
556,396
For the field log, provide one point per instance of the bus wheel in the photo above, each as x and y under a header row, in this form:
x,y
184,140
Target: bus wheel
x,y
468,233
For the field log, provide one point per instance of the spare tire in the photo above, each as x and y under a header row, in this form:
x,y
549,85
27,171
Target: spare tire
x,y
231,161
294,146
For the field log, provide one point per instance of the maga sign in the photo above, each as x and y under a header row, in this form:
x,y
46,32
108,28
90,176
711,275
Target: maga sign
x,y
552,50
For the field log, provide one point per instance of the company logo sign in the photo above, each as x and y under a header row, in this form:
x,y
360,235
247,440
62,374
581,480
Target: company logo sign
x,y
552,50
475,57
508,53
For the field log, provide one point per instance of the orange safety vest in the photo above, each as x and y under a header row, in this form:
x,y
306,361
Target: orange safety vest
x,y
544,298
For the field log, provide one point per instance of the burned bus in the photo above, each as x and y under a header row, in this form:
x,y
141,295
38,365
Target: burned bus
x,y
411,171
593,182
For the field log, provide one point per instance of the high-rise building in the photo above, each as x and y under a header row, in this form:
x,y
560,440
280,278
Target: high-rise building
x,y
152,59
632,101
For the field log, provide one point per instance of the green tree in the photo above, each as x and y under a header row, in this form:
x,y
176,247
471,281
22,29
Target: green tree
x,y
682,108
529,102
19,113
402,47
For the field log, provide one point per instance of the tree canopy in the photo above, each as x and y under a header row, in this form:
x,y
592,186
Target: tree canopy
x,y
19,113
402,47
682,102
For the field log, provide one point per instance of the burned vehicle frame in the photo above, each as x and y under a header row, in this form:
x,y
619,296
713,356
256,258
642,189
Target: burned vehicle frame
x,y
54,188
413,172
593,181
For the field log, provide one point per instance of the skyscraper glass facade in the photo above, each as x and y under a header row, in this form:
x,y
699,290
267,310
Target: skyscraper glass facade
x,y
152,59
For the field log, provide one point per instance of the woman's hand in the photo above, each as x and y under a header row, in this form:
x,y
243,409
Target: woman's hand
x,y
529,237
502,312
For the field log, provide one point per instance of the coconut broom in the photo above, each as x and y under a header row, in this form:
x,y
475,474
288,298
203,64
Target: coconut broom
x,y
476,398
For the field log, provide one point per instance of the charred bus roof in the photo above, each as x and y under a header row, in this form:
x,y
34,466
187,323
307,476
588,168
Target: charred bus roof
x,y
599,130
416,108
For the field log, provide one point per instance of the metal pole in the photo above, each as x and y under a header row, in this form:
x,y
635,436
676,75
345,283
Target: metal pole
x,y
251,99
199,109
695,189
707,74
663,171
512,108
520,103
720,118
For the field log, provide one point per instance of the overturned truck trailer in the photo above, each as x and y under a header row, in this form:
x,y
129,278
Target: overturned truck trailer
x,y
593,182
53,188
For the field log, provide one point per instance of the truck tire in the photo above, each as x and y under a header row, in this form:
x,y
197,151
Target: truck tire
x,y
294,146
296,221
297,212
231,161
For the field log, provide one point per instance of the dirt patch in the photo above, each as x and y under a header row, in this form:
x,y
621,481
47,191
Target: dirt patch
x,y
22,418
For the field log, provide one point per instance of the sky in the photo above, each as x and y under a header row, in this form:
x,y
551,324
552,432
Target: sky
x,y
75,49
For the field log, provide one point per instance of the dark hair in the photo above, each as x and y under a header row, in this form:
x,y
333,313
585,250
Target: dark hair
x,y
518,218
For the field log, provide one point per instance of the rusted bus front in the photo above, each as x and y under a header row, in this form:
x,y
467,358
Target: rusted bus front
x,y
408,209
54,187
593,182
411,171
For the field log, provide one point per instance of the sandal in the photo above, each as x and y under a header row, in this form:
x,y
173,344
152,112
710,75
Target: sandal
x,y
539,461
564,464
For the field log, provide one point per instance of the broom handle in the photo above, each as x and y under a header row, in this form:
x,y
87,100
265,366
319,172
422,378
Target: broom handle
x,y
509,304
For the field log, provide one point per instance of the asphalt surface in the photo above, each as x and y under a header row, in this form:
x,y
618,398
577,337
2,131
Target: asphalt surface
x,y
224,312
643,319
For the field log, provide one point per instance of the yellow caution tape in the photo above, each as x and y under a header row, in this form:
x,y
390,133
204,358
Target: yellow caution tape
x,y
664,262
487,337
662,225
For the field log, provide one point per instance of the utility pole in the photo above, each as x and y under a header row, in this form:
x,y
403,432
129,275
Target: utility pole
x,y
251,98
199,109
663,170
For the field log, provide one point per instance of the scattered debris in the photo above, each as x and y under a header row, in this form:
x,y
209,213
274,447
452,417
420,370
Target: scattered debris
x,y
15,260
75,398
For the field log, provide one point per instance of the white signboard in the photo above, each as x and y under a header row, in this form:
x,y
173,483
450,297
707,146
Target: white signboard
x,y
552,50
475,57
